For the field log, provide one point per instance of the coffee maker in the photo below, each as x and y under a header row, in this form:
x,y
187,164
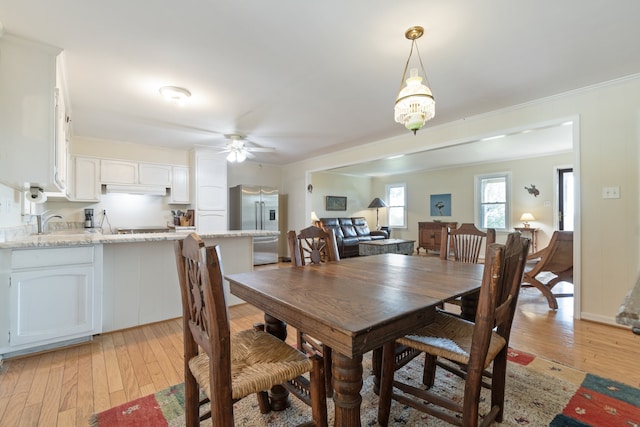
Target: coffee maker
x,y
88,218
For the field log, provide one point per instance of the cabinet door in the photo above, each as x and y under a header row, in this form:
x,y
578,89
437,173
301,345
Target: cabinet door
x,y
180,185
86,186
154,174
211,221
118,172
27,112
211,182
51,305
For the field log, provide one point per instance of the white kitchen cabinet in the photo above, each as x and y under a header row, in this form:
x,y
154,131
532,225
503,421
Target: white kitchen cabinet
x,y
28,114
85,179
118,172
180,185
55,296
154,174
211,221
210,190
63,122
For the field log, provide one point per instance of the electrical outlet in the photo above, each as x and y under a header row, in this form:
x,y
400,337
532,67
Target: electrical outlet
x,y
611,192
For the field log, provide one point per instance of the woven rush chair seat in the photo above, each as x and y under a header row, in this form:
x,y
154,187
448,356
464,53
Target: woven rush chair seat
x,y
258,362
450,337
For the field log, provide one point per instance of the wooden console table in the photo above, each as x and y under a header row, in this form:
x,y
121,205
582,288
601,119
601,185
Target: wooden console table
x,y
532,233
429,234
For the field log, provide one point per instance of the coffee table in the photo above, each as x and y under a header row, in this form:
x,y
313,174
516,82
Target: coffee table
x,y
386,246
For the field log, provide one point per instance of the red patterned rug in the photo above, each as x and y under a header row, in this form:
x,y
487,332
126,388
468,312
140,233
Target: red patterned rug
x,y
539,393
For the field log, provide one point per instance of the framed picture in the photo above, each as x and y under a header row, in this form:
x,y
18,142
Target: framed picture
x,y
336,203
440,204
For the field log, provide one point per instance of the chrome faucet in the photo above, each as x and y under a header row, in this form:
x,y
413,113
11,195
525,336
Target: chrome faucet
x,y
42,223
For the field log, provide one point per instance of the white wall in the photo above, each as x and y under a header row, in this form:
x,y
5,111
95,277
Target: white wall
x,y
357,190
608,118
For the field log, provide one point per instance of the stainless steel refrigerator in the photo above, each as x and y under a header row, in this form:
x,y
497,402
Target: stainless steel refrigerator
x,y
253,207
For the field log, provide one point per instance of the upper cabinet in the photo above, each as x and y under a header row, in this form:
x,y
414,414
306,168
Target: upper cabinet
x,y
28,125
154,174
118,172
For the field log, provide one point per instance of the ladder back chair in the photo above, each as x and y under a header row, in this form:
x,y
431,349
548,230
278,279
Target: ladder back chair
x,y
230,367
556,260
471,346
314,245
465,243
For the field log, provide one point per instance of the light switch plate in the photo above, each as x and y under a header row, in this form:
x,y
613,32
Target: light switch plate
x,y
611,192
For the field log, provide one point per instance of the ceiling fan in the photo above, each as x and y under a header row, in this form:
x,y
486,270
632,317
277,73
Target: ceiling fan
x,y
238,149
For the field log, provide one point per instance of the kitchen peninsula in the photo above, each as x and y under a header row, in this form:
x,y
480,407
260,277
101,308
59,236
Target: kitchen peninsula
x,y
66,287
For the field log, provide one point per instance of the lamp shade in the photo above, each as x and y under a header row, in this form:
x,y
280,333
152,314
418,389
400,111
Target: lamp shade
x,y
527,217
314,217
377,203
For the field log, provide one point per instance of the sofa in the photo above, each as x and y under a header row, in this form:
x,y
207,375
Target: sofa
x,y
350,232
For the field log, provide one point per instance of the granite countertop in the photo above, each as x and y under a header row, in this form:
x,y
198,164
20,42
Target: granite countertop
x,y
70,238
629,312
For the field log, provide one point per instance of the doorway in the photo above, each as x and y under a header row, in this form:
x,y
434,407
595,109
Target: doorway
x,y
566,202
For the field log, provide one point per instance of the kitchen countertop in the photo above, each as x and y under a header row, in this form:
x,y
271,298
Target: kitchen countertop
x,y
92,238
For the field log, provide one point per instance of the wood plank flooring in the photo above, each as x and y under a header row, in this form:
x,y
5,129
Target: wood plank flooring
x,y
64,387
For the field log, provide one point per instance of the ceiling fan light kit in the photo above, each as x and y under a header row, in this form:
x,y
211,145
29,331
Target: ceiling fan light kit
x,y
415,104
239,151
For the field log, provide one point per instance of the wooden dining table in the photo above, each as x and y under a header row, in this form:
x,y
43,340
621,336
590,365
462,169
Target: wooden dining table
x,y
354,306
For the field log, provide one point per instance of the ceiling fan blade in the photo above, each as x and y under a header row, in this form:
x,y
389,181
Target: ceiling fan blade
x,y
260,149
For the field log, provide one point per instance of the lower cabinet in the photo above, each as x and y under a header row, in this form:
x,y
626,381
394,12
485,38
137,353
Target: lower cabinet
x,y
55,296
430,233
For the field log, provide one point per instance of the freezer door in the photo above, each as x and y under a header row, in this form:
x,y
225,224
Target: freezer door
x,y
265,250
269,214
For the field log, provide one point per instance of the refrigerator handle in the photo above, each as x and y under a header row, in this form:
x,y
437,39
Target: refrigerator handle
x,y
263,215
258,221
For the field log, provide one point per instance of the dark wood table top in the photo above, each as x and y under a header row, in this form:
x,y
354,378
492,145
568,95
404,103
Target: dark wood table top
x,y
358,304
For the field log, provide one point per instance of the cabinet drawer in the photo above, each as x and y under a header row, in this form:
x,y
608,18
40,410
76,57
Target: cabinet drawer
x,y
30,258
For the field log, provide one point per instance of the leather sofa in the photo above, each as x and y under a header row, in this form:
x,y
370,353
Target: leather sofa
x,y
350,232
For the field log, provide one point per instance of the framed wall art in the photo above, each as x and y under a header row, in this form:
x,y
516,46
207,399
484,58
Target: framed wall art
x,y
440,204
336,203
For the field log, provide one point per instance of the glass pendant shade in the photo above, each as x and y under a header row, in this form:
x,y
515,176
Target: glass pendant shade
x,y
415,104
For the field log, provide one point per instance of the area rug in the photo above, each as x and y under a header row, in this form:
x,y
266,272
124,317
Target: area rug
x,y
539,393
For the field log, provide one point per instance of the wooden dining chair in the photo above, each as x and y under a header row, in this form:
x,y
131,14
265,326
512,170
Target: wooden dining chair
x,y
230,367
472,346
464,244
314,245
550,266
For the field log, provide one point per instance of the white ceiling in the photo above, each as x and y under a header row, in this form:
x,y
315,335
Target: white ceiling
x,y
312,77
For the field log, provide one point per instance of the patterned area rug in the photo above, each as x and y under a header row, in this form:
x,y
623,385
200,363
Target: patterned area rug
x,y
539,393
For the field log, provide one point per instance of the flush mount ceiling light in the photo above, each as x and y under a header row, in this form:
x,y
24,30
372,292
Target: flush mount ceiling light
x,y
415,103
175,94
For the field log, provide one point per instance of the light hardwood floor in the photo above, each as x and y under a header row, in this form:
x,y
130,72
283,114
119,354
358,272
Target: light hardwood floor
x,y
64,387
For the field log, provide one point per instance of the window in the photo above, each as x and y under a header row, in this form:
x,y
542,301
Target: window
x,y
397,202
492,201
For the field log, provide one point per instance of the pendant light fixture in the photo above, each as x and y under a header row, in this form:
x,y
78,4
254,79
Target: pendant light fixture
x,y
415,103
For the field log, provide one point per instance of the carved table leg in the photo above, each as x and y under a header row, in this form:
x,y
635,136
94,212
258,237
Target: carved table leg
x,y
347,383
279,395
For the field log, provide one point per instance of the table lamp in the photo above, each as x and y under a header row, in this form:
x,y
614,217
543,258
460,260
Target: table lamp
x,y
314,219
525,218
377,203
